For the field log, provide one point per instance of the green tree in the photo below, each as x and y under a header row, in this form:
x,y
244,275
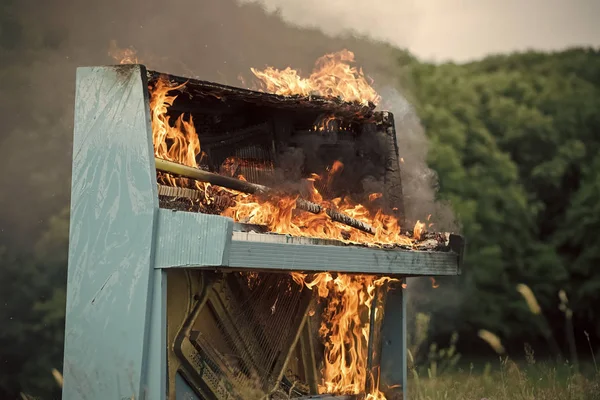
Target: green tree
x,y
33,308
515,143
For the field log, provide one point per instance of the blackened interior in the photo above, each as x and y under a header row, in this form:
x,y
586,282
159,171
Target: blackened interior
x,y
285,139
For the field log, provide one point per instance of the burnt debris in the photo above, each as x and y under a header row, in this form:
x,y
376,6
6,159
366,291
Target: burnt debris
x,y
276,141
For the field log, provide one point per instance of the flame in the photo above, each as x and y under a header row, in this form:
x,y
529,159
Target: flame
x,y
123,56
185,144
335,169
345,326
375,196
281,216
332,76
179,142
326,123
418,230
345,329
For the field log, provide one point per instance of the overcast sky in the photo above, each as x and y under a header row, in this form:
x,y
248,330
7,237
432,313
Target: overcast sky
x,y
458,30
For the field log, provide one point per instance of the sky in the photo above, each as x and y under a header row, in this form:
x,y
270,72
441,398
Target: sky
x,y
456,30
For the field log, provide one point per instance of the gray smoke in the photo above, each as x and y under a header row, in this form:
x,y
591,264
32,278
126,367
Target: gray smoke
x,y
419,182
42,43
391,21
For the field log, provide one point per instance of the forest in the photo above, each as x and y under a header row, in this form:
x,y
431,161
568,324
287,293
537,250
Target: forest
x,y
514,140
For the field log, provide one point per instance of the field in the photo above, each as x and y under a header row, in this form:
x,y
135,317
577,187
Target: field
x,y
508,380
444,376
500,380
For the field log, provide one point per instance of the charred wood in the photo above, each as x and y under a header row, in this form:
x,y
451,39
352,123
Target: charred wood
x,y
308,206
237,136
253,188
228,94
346,220
209,177
393,178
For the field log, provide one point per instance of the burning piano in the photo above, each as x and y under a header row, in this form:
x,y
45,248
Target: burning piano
x,y
234,244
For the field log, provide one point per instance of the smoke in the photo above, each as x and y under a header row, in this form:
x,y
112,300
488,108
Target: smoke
x,y
394,22
419,182
391,21
42,44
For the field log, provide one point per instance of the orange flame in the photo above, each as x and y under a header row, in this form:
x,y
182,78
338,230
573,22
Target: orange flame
x,y
123,56
326,123
281,216
418,230
345,329
185,144
345,326
333,76
375,196
180,143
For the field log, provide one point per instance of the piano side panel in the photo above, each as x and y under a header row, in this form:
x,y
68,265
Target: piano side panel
x,y
113,206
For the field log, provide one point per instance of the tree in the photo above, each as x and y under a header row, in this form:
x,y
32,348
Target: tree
x,y
514,140
31,340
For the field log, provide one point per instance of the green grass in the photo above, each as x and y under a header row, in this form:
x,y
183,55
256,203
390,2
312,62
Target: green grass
x,y
444,376
441,378
501,379
508,381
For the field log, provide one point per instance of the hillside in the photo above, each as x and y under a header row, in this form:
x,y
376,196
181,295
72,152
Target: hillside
x,y
514,140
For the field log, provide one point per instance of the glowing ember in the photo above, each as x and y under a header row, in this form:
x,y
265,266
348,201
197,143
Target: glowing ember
x,y
345,329
333,76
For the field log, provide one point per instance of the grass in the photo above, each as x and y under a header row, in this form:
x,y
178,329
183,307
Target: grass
x,y
442,378
509,380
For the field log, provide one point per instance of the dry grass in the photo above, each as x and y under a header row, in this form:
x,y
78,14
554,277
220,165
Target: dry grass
x,y
509,382
506,380
501,380
442,379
